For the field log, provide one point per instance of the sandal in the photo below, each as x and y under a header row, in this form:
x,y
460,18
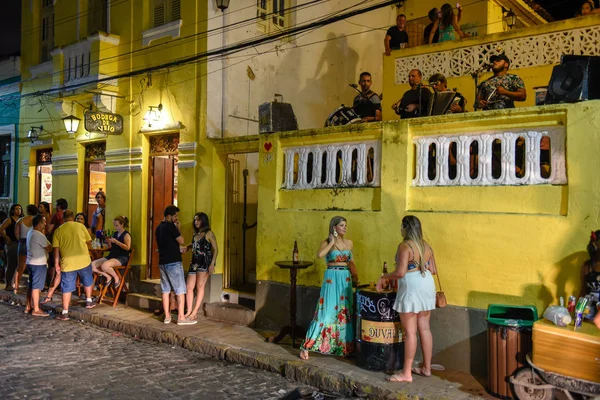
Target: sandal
x,y
116,284
303,354
47,299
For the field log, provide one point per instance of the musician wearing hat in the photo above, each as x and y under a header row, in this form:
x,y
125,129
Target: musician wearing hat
x,y
503,89
439,83
367,104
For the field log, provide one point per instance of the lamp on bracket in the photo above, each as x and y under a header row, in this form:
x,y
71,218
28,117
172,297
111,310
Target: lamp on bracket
x,y
510,17
34,133
222,5
153,114
71,121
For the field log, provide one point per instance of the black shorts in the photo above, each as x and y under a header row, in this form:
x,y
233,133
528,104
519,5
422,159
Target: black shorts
x,y
122,260
197,268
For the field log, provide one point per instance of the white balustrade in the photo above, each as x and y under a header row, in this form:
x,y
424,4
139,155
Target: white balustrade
x,y
531,51
358,163
531,173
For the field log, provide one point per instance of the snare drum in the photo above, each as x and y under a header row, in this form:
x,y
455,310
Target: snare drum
x,y
342,116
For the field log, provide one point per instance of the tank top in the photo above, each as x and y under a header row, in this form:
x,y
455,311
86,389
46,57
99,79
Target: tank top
x,y
10,230
338,256
24,230
202,251
116,251
446,34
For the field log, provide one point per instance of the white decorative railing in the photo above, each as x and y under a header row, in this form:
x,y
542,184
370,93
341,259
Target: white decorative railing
x,y
351,164
531,51
478,168
77,61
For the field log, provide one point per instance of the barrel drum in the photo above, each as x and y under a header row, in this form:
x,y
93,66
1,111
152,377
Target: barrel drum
x,y
379,334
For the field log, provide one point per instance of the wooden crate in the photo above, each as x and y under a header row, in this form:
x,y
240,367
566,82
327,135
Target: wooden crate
x,y
567,352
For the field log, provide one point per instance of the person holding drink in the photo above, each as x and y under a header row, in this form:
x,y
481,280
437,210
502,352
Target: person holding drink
x,y
415,265
120,247
332,328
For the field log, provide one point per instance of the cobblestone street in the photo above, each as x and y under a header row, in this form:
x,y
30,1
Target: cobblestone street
x,y
46,358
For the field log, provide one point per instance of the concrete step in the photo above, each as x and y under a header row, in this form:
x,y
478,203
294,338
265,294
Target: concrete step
x,y
143,301
150,287
229,312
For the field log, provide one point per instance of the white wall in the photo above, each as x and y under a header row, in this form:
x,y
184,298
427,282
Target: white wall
x,y
314,78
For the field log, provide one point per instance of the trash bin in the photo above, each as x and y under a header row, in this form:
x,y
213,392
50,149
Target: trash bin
x,y
509,341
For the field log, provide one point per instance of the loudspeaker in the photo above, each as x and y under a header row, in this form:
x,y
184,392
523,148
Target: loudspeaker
x,y
276,117
576,78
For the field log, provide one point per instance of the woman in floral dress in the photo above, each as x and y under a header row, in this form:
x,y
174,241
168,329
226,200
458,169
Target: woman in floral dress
x,y
332,328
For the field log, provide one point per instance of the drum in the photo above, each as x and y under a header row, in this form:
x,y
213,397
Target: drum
x,y
379,335
342,116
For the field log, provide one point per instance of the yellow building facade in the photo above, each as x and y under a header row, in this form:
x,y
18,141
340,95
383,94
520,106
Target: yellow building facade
x,y
496,238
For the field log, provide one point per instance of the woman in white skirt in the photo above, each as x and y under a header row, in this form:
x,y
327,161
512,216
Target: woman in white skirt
x,y
415,266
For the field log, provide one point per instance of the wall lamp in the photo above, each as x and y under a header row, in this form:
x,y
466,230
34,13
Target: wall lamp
x,y
510,17
34,133
153,115
71,124
222,5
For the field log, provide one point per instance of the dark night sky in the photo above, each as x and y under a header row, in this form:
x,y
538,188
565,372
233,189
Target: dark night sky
x,y
10,28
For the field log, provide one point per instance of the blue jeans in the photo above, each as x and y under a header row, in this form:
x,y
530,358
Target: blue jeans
x,y
37,276
171,278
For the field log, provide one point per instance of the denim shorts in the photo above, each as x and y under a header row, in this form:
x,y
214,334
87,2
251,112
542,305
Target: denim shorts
x,y
171,278
68,279
37,276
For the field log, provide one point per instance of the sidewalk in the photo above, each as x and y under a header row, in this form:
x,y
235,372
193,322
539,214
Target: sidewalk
x,y
246,346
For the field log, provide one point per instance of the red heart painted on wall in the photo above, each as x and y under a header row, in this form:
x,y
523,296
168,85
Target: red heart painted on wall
x,y
268,146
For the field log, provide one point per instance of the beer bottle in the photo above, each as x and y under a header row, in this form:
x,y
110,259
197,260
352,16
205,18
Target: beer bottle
x,y
386,282
295,255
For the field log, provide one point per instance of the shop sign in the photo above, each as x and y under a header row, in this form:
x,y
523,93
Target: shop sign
x,y
101,122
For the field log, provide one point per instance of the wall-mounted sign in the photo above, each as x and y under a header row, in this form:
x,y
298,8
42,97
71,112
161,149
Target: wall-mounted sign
x,y
100,122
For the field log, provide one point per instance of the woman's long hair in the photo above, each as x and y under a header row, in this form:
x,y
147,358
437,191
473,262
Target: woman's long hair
x,y
204,223
334,221
85,219
11,212
413,231
447,15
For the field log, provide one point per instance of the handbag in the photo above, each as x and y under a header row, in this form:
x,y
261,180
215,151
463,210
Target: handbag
x,y
440,297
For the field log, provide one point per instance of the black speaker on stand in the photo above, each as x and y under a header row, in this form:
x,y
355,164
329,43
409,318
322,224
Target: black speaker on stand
x,y
577,78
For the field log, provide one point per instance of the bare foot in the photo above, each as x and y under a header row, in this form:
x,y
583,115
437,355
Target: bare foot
x,y
304,354
421,371
399,378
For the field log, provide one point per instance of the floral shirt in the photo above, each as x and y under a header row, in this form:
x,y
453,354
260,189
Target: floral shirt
x,y
510,82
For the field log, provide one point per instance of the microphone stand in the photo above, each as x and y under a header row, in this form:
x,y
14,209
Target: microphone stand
x,y
475,75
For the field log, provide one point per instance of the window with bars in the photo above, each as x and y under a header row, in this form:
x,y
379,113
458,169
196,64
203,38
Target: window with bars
x,y
5,166
273,15
97,16
47,30
166,11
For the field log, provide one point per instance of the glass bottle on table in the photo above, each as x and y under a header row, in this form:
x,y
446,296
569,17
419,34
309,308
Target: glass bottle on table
x,y
385,284
295,254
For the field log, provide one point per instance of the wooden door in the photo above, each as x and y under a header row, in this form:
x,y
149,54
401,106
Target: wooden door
x,y
161,195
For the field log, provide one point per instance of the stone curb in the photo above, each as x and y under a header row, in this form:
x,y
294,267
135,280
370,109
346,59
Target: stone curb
x,y
297,371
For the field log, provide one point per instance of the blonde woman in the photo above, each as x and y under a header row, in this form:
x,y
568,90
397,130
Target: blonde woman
x,y
415,266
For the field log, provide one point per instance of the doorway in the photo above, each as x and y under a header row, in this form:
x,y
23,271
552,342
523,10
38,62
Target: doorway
x,y
162,190
240,225
43,176
94,180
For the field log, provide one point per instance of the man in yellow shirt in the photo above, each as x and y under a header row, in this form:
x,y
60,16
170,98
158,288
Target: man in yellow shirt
x,y
72,258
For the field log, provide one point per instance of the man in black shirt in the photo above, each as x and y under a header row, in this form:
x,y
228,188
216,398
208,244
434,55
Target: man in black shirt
x,y
367,104
439,84
415,102
396,37
169,240
433,15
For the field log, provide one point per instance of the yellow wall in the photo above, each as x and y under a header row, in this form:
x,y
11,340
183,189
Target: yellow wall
x,y
181,90
507,244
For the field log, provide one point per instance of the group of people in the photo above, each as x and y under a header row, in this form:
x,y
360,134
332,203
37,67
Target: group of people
x,y
171,245
55,250
332,328
500,91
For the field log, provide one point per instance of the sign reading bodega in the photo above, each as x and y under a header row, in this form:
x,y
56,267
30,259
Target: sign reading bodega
x,y
100,122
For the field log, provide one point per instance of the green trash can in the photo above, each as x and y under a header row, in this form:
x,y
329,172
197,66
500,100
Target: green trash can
x,y
509,341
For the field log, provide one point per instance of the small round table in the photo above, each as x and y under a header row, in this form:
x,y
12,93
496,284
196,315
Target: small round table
x,y
292,329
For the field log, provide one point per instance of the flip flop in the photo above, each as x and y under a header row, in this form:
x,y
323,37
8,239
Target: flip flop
x,y
46,300
419,371
394,378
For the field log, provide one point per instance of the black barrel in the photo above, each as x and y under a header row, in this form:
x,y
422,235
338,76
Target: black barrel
x,y
379,334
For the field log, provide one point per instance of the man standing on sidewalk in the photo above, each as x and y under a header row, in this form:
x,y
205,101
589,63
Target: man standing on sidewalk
x,y
72,258
169,240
